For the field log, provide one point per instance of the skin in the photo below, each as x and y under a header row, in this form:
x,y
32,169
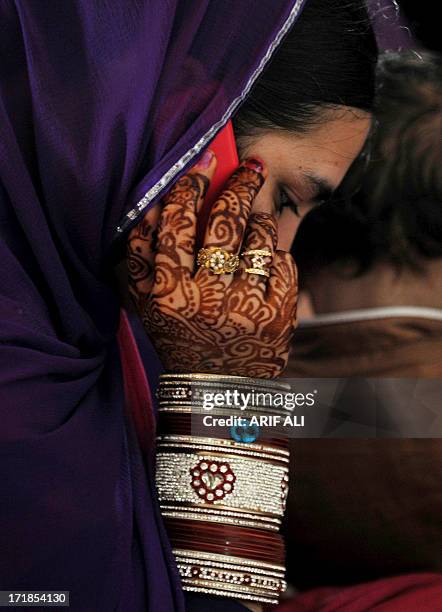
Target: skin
x,y
239,323
325,153
236,323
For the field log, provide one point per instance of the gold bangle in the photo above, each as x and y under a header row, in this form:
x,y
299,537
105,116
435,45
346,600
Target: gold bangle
x,y
212,489
201,377
225,446
221,515
194,397
213,557
236,588
227,593
200,478
235,576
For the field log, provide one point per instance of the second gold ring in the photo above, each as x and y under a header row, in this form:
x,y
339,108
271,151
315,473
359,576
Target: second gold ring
x,y
257,258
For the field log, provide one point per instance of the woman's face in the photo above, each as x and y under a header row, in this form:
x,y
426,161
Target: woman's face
x,y
305,169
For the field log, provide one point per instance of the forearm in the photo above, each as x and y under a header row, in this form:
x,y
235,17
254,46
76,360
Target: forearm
x,y
222,499
230,308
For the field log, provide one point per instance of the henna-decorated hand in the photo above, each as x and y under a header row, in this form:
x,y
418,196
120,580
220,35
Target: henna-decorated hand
x,y
236,323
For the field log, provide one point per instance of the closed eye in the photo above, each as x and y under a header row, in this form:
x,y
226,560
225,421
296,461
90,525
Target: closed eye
x,y
285,201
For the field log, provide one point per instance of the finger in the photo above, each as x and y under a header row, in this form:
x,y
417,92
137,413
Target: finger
x,y
141,254
178,224
282,288
261,237
229,215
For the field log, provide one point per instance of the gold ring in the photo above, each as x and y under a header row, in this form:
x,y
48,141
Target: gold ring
x,y
217,260
258,271
261,252
258,262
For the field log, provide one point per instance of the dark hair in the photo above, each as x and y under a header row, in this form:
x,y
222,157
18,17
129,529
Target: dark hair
x,y
327,59
396,216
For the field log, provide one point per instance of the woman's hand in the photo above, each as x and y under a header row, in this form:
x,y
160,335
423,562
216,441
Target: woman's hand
x,y
235,323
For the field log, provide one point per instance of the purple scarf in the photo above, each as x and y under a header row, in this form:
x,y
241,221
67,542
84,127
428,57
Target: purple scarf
x,y
99,100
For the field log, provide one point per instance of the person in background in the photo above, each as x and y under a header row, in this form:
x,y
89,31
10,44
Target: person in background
x,y
380,259
372,270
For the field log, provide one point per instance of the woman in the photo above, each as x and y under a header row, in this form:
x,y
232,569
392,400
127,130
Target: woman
x,y
98,119
241,323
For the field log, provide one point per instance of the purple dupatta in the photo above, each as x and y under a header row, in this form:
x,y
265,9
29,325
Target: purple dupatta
x,y
102,105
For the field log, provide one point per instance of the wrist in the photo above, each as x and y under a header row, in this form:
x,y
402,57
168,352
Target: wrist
x,y
222,499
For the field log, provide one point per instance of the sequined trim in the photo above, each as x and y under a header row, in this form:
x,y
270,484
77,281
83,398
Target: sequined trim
x,y
170,175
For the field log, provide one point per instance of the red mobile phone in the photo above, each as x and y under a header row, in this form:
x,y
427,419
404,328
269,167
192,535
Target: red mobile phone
x,y
224,147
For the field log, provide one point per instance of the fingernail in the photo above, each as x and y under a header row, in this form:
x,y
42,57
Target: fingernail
x,y
205,160
254,164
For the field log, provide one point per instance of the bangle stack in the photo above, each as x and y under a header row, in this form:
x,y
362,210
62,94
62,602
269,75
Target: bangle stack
x,y
222,500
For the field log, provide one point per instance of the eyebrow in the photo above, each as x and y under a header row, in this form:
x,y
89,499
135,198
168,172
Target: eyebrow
x,y
322,188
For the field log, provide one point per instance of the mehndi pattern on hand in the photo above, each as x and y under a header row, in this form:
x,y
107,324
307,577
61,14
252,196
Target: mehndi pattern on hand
x,y
198,321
